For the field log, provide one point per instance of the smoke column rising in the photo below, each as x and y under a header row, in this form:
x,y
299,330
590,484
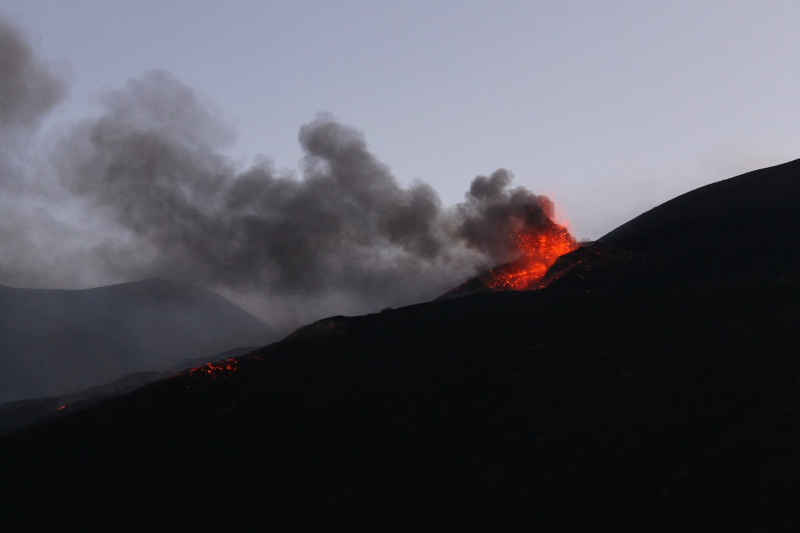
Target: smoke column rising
x,y
158,198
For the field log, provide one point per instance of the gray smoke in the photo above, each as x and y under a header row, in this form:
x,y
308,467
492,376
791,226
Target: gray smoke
x,y
492,214
27,87
28,91
159,198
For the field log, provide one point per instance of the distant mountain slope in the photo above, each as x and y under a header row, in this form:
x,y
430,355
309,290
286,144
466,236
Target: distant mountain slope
x,y
59,341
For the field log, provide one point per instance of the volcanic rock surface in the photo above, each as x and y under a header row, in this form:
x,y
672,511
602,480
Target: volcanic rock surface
x,y
55,342
653,385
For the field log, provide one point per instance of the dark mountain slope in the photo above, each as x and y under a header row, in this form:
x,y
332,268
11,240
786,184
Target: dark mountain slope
x,y
502,411
614,399
735,231
60,341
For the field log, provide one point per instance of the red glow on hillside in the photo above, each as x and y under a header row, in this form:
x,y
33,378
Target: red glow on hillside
x,y
214,371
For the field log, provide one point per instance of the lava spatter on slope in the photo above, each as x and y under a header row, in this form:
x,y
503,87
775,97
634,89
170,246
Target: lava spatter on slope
x,y
214,371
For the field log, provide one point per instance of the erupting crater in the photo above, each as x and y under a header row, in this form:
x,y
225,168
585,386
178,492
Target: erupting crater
x,y
539,245
539,251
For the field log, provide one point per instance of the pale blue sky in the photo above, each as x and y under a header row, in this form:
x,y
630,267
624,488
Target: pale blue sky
x,y
611,107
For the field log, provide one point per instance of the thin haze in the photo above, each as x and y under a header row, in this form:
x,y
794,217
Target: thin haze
x,y
160,199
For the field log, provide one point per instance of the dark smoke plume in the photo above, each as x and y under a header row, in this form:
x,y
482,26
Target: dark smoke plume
x,y
28,91
160,199
27,87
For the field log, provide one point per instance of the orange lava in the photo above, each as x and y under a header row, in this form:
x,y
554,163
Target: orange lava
x,y
539,252
214,371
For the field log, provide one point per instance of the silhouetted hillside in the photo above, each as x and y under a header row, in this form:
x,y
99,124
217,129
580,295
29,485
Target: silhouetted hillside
x,y
59,341
741,231
627,395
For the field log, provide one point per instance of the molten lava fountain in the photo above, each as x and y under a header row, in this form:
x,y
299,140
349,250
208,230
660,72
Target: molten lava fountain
x,y
539,248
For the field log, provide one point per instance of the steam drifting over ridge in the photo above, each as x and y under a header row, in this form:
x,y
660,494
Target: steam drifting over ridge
x,y
342,237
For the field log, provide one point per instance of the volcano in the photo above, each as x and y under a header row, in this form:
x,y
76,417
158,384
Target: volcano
x,y
653,384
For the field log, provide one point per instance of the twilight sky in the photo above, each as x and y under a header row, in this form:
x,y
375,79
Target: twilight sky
x,y
609,107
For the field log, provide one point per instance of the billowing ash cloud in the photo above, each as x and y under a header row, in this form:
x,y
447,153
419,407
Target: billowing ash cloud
x,y
341,236
493,214
28,91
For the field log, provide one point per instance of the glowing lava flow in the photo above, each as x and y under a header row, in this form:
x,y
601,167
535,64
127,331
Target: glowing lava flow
x,y
540,250
222,369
